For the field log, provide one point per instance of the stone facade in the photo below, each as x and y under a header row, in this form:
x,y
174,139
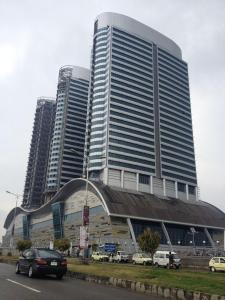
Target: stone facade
x,y
102,228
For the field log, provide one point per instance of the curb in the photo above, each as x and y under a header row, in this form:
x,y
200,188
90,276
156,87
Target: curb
x,y
140,287
168,293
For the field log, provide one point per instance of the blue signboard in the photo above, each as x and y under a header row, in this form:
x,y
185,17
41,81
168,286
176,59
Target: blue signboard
x,y
110,247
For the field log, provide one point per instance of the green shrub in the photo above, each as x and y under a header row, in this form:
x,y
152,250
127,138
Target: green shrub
x,y
149,241
22,245
62,244
94,247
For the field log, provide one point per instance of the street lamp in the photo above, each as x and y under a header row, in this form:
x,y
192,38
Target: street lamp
x,y
14,217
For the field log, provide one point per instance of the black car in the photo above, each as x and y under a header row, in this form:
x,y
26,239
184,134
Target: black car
x,y
41,261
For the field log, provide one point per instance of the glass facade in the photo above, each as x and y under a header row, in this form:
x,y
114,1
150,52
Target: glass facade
x,y
57,215
39,153
67,149
176,137
139,116
26,227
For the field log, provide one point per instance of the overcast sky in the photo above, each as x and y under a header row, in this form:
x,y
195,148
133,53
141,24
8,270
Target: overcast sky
x,y
38,37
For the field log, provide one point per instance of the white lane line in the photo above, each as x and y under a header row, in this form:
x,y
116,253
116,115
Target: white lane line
x,y
25,286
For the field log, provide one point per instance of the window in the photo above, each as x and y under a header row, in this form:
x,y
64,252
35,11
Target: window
x,y
144,179
191,189
181,187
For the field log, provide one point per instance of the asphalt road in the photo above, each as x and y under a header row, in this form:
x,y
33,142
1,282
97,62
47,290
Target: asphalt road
x,y
18,287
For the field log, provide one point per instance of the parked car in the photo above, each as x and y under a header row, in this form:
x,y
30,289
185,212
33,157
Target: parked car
x,y
161,259
217,264
41,261
97,256
141,258
120,256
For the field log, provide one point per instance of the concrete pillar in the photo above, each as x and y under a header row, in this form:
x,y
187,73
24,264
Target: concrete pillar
x,y
176,190
122,178
164,187
137,181
167,235
209,238
151,184
196,193
132,234
187,193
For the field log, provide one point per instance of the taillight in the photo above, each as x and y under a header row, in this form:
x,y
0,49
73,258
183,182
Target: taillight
x,y
40,261
64,263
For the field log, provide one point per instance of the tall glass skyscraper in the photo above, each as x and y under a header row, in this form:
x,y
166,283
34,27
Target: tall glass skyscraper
x,y
39,152
139,122
67,147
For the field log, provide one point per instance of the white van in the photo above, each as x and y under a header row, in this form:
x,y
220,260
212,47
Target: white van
x,y
161,259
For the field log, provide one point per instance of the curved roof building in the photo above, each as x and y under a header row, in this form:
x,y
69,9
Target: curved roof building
x,y
118,216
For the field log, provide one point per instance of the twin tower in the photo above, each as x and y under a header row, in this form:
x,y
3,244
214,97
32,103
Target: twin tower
x,y
126,122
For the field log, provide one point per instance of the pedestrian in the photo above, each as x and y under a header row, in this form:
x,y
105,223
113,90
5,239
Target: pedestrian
x,y
170,260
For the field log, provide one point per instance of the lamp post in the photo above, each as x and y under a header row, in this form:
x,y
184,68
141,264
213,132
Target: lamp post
x,y
14,217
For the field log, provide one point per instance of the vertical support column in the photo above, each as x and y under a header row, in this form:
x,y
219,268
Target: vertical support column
x,y
132,234
176,190
209,238
137,181
164,187
224,239
151,184
167,235
187,193
122,178
106,176
196,193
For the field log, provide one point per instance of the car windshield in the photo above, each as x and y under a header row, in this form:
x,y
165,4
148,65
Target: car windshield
x,y
45,253
122,253
145,255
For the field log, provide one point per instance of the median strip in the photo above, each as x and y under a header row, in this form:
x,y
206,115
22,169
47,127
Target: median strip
x,y
23,285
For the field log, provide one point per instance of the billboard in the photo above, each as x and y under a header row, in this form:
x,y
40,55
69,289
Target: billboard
x,y
110,247
85,215
83,237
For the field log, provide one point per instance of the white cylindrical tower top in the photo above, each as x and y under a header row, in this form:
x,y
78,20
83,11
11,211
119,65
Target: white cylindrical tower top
x,y
137,28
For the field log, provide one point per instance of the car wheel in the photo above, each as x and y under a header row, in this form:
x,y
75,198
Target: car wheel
x,y
212,269
59,276
17,268
30,272
134,262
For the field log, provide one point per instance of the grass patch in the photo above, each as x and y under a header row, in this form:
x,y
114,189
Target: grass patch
x,y
8,259
201,281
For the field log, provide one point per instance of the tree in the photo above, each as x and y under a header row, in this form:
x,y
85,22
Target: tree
x,y
22,245
94,247
149,241
62,244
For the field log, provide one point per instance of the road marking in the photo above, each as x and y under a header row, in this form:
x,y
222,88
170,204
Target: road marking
x,y
25,286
